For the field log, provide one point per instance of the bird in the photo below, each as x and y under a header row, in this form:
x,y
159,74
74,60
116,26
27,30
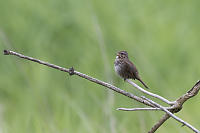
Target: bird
x,y
125,68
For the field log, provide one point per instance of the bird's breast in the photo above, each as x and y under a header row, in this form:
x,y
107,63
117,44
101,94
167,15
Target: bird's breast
x,y
118,66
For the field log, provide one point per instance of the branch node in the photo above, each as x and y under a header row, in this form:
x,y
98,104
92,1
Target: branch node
x,y
183,125
176,109
71,71
6,52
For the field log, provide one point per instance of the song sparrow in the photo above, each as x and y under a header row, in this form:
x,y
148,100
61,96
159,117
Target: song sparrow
x,y
125,68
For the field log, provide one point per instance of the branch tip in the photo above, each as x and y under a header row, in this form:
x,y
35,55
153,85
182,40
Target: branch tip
x,y
197,85
6,52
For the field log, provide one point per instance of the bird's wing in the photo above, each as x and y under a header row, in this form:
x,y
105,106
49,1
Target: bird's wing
x,y
133,73
132,69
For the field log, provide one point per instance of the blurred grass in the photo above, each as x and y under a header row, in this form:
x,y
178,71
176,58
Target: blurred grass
x,y
162,38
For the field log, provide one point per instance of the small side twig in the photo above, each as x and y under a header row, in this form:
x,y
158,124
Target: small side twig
x,y
139,109
143,109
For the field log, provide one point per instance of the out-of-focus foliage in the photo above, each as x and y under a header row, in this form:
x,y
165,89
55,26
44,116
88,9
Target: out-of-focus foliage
x,y
161,37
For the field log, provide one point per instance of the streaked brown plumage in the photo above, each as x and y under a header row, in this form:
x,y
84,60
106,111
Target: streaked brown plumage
x,y
125,68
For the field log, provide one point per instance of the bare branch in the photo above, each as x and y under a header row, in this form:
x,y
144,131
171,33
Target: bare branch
x,y
72,72
172,115
175,107
149,93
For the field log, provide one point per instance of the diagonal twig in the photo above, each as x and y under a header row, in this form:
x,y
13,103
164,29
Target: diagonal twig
x,y
159,123
178,105
189,94
172,115
73,72
149,93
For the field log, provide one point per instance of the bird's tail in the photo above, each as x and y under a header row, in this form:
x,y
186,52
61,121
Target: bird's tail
x,y
143,83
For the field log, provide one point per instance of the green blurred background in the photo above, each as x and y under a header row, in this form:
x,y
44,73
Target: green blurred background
x,y
161,37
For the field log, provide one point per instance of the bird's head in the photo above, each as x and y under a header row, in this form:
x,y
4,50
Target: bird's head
x,y
122,55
